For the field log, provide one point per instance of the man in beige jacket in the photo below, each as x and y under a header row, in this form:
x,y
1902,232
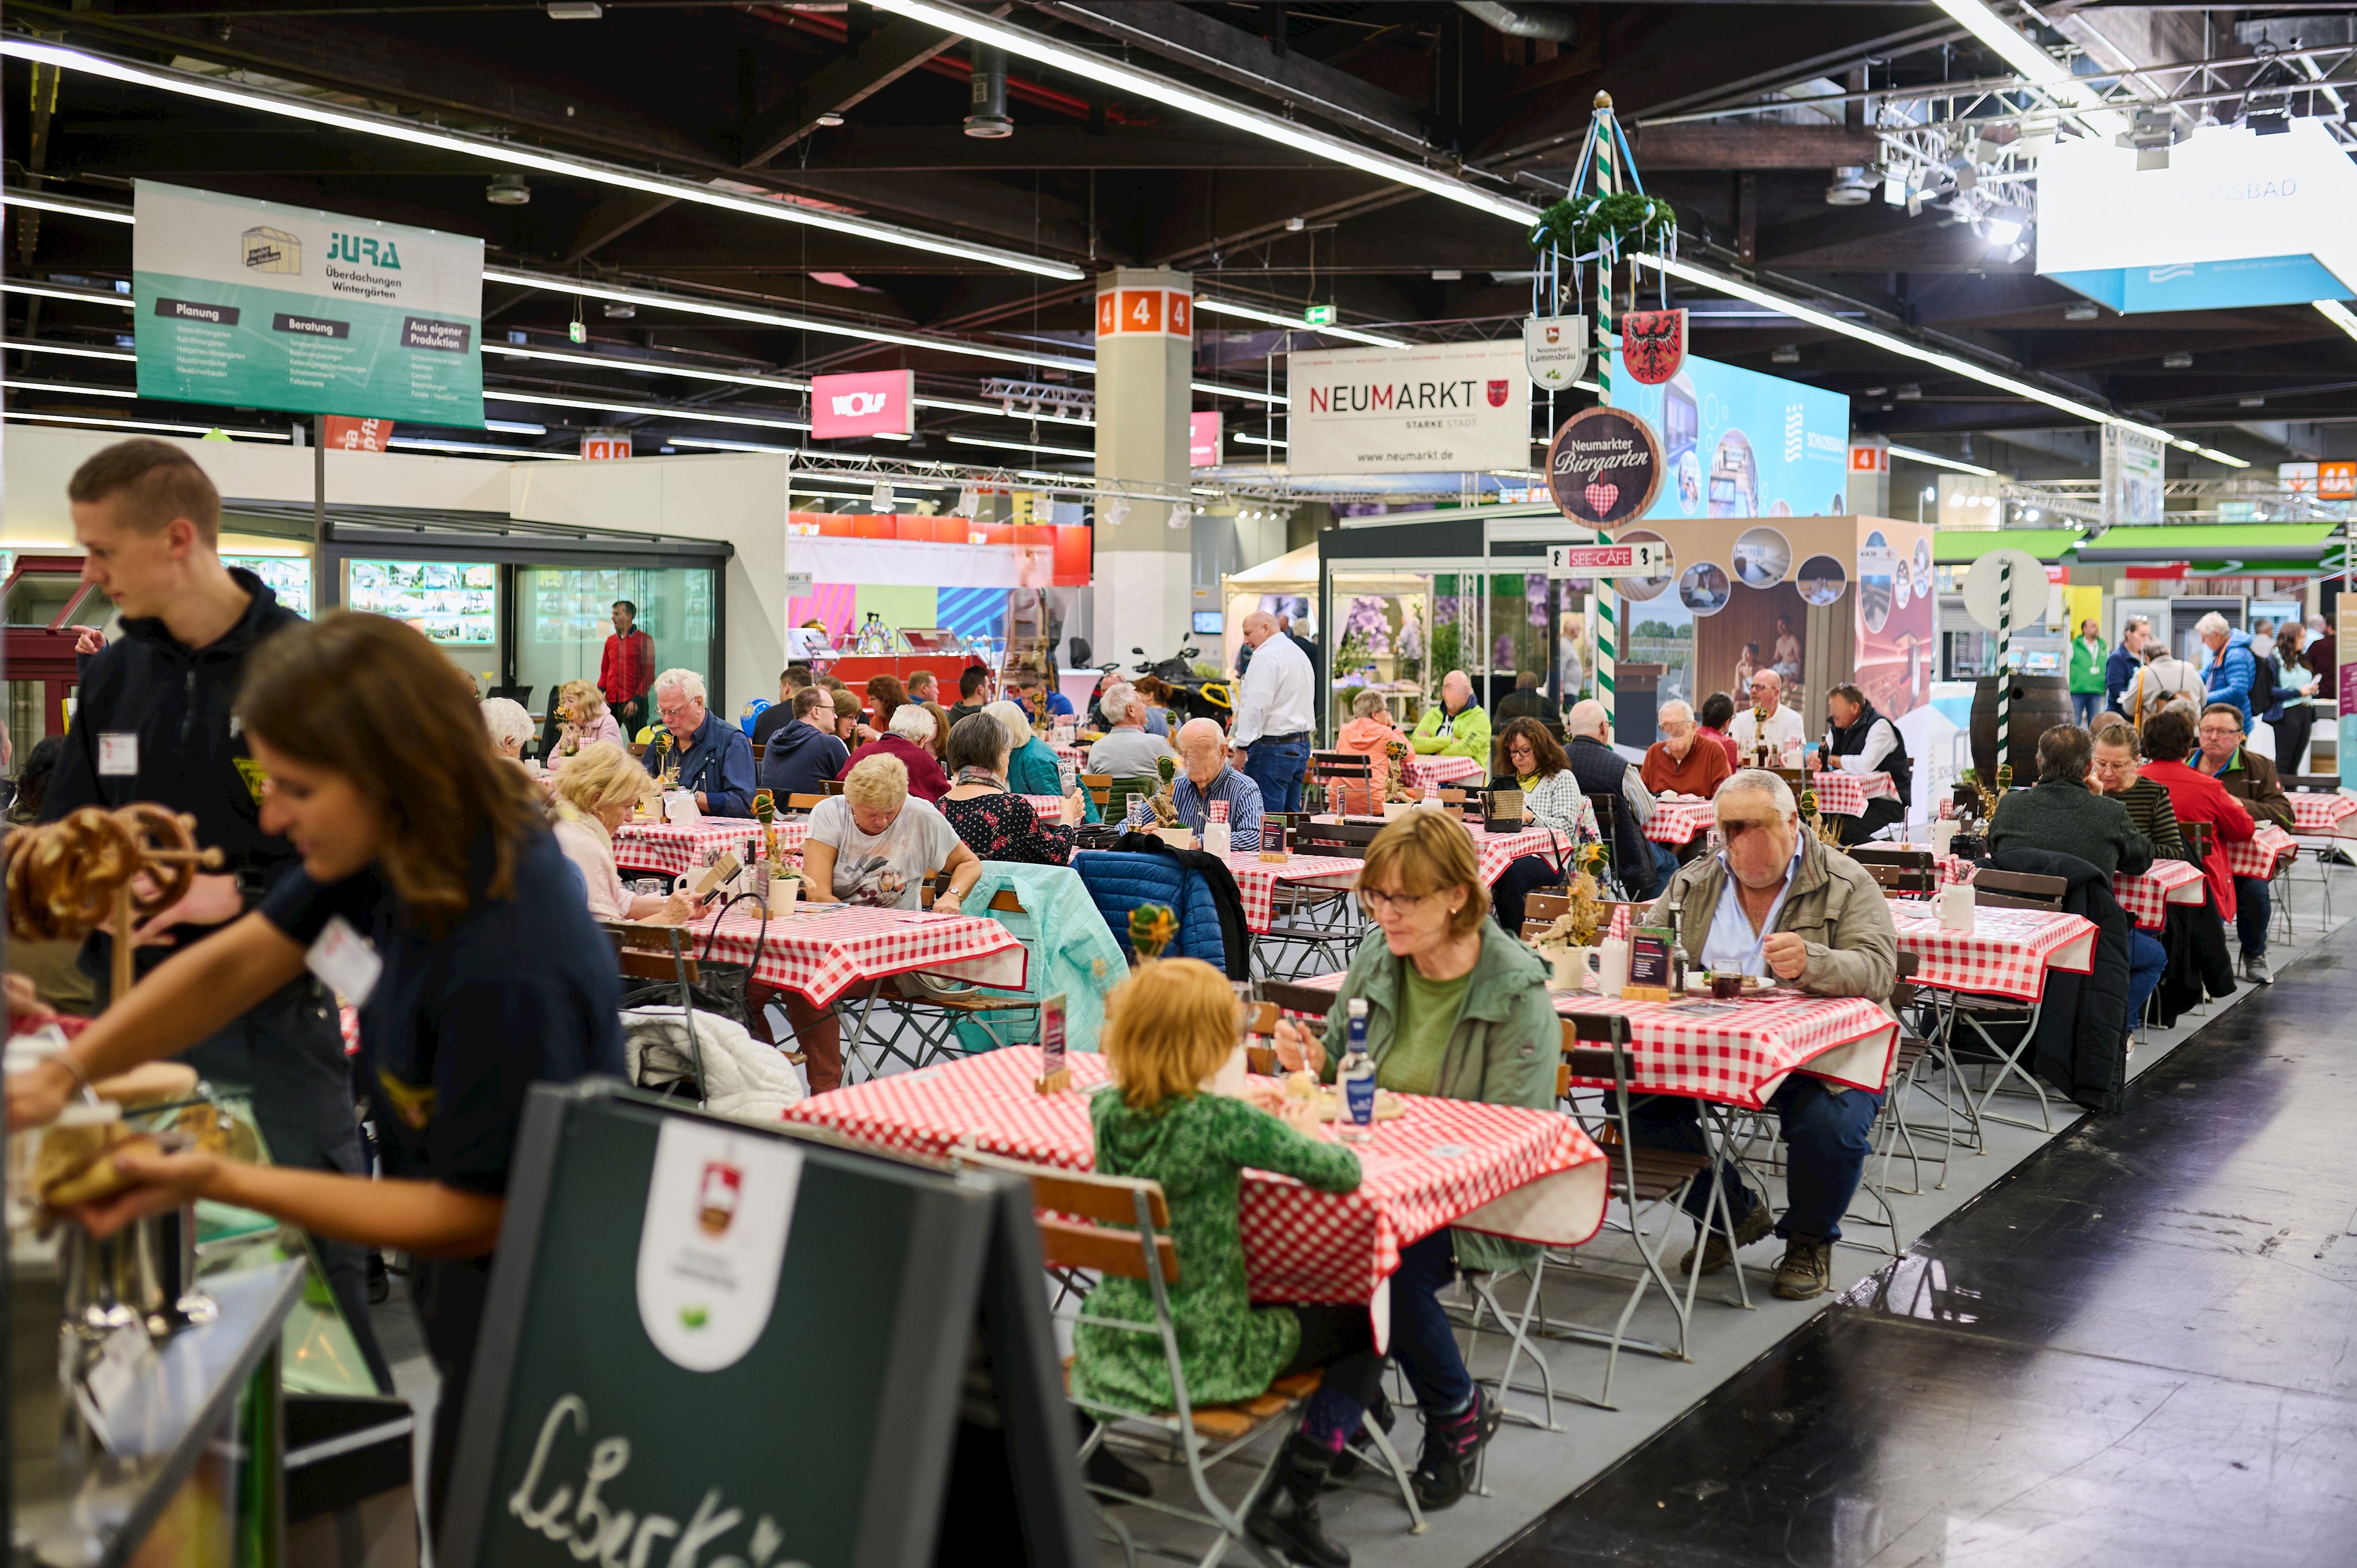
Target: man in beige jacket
x,y
1777,902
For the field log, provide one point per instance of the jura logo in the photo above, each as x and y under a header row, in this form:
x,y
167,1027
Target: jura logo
x,y
859,405
363,249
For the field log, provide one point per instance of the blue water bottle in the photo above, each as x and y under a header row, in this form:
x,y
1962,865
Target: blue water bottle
x,y
1356,1077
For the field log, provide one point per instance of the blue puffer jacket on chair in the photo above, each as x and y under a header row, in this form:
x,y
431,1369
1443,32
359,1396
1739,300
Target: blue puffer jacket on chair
x,y
1120,880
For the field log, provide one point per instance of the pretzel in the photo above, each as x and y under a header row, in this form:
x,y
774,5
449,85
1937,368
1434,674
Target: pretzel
x,y
158,828
62,876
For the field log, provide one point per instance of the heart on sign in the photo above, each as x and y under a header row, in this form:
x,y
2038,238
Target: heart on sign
x,y
1600,497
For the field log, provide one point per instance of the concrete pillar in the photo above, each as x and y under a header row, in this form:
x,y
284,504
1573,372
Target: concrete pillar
x,y
1146,361
1870,476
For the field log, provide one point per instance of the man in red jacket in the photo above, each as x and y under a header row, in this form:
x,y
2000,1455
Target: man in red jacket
x,y
628,670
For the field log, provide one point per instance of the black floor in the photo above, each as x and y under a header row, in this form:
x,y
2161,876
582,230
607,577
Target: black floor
x,y
2135,1350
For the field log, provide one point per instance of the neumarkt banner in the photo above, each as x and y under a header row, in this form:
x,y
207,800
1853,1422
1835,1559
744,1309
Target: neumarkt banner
x,y
259,305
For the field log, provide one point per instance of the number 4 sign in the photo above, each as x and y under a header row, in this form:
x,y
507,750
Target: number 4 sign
x,y
1145,312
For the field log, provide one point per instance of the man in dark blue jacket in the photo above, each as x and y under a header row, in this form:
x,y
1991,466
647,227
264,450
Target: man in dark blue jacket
x,y
154,721
803,753
2120,668
711,757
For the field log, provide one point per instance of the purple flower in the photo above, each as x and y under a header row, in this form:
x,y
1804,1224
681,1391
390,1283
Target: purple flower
x,y
1366,620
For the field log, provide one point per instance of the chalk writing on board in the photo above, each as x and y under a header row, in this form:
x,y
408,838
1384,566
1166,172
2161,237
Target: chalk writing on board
x,y
592,1528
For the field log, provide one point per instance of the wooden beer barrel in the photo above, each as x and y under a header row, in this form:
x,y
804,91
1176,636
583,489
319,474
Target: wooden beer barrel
x,y
2039,704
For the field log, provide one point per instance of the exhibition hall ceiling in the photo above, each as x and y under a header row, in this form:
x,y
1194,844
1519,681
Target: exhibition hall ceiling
x,y
1788,136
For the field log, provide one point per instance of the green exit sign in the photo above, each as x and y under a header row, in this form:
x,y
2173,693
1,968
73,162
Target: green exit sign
x,y
1319,315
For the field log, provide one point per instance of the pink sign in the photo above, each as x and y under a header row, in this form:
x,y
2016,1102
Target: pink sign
x,y
1203,440
871,403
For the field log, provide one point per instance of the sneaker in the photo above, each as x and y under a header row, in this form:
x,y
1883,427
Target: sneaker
x,y
1452,1445
1716,1254
1287,1517
2255,970
1362,1447
1806,1268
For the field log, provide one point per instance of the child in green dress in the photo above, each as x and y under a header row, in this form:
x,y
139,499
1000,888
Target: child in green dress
x,y
1168,1028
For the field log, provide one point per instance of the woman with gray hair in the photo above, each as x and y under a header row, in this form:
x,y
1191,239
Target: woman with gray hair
x,y
1031,767
511,727
1371,733
909,739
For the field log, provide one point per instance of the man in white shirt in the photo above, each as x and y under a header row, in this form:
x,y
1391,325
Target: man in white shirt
x,y
1860,740
1126,751
1271,737
1783,728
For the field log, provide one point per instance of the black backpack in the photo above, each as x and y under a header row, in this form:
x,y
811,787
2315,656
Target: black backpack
x,y
2263,682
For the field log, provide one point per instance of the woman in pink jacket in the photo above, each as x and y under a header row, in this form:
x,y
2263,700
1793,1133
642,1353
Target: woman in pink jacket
x,y
587,721
1368,733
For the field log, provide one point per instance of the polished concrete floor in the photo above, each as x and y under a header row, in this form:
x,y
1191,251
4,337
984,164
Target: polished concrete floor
x,y
2135,1348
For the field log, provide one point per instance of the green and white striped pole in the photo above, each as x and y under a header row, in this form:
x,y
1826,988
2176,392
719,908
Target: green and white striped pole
x,y
2003,657
1606,638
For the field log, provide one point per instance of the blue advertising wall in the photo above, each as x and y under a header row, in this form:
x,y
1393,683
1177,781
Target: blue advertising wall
x,y
1740,444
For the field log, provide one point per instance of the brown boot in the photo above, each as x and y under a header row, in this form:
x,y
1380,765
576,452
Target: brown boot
x,y
1807,1267
1715,1253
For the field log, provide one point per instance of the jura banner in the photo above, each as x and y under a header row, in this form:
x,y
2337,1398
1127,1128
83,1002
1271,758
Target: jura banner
x,y
1436,407
260,306
1604,467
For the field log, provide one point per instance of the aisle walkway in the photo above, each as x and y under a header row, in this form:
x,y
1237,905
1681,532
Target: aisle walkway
x,y
2134,1349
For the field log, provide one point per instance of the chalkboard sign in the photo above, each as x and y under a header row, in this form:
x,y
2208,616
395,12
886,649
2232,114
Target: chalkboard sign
x,y
715,1345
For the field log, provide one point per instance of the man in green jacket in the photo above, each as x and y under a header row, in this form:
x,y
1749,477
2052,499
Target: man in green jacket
x,y
1458,727
2088,655
1778,902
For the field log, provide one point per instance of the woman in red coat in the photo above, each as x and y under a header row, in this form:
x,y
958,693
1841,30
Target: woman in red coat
x,y
910,739
2196,797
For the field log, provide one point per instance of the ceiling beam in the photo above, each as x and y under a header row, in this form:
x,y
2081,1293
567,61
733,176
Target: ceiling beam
x,y
869,66
1734,146
1186,37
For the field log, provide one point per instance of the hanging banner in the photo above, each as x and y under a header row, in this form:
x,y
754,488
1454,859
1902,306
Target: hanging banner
x,y
260,306
1604,467
863,402
357,434
1556,350
1435,406
1653,344
2135,477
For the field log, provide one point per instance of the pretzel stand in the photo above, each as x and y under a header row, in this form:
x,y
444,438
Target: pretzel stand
x,y
68,877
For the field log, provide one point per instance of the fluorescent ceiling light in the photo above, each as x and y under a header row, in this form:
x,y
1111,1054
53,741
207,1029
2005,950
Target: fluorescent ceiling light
x,y
2333,310
58,291
73,351
718,445
64,386
1918,455
473,449
1258,440
2034,64
758,317
515,427
1274,319
1115,76
510,155
649,367
1020,446
649,410
1689,273
167,428
46,201
1216,389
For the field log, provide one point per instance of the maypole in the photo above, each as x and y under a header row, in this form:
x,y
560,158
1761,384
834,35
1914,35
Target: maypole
x,y
1600,137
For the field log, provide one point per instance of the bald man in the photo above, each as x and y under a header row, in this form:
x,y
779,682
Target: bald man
x,y
1275,715
1205,776
1643,865
1783,728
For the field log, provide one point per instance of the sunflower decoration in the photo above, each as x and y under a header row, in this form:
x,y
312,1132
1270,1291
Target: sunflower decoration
x,y
1588,917
1817,825
1395,753
1165,811
1152,928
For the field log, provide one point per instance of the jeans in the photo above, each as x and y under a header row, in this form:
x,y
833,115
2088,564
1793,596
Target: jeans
x,y
1278,769
2250,912
1511,893
2085,705
1826,1133
2147,960
1422,1342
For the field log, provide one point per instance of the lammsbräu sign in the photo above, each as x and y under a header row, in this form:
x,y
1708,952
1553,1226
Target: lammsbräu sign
x,y
260,305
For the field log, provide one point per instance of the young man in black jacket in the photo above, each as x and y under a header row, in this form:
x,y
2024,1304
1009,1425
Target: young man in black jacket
x,y
155,723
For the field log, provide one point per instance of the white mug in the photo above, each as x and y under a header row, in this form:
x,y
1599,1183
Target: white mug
x,y
1944,835
1572,967
1612,966
1956,908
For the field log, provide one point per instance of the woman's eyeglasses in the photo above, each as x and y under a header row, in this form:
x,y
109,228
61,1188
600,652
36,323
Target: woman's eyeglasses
x,y
1382,903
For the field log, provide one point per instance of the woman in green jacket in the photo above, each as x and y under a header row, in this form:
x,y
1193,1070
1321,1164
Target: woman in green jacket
x,y
1168,1028
1030,764
1454,1008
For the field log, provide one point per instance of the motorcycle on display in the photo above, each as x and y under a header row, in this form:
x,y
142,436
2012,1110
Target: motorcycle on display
x,y
1192,696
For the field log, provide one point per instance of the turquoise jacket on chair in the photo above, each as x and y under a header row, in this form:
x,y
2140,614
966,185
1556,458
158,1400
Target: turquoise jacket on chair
x,y
1072,952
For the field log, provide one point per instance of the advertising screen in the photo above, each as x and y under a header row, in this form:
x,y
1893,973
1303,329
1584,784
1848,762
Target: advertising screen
x,y
450,601
1740,444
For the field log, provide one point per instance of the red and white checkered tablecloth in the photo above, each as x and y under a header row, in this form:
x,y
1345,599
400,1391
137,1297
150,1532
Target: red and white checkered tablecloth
x,y
820,951
2147,896
1680,821
1741,1057
1071,754
1530,1174
2006,952
672,851
1843,794
2335,815
1050,808
1498,851
1444,770
1256,880
2259,854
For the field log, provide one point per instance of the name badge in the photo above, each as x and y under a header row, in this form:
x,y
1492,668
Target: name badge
x,y
344,962
118,754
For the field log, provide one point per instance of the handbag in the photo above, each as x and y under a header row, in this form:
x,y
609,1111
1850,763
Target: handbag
x,y
720,985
